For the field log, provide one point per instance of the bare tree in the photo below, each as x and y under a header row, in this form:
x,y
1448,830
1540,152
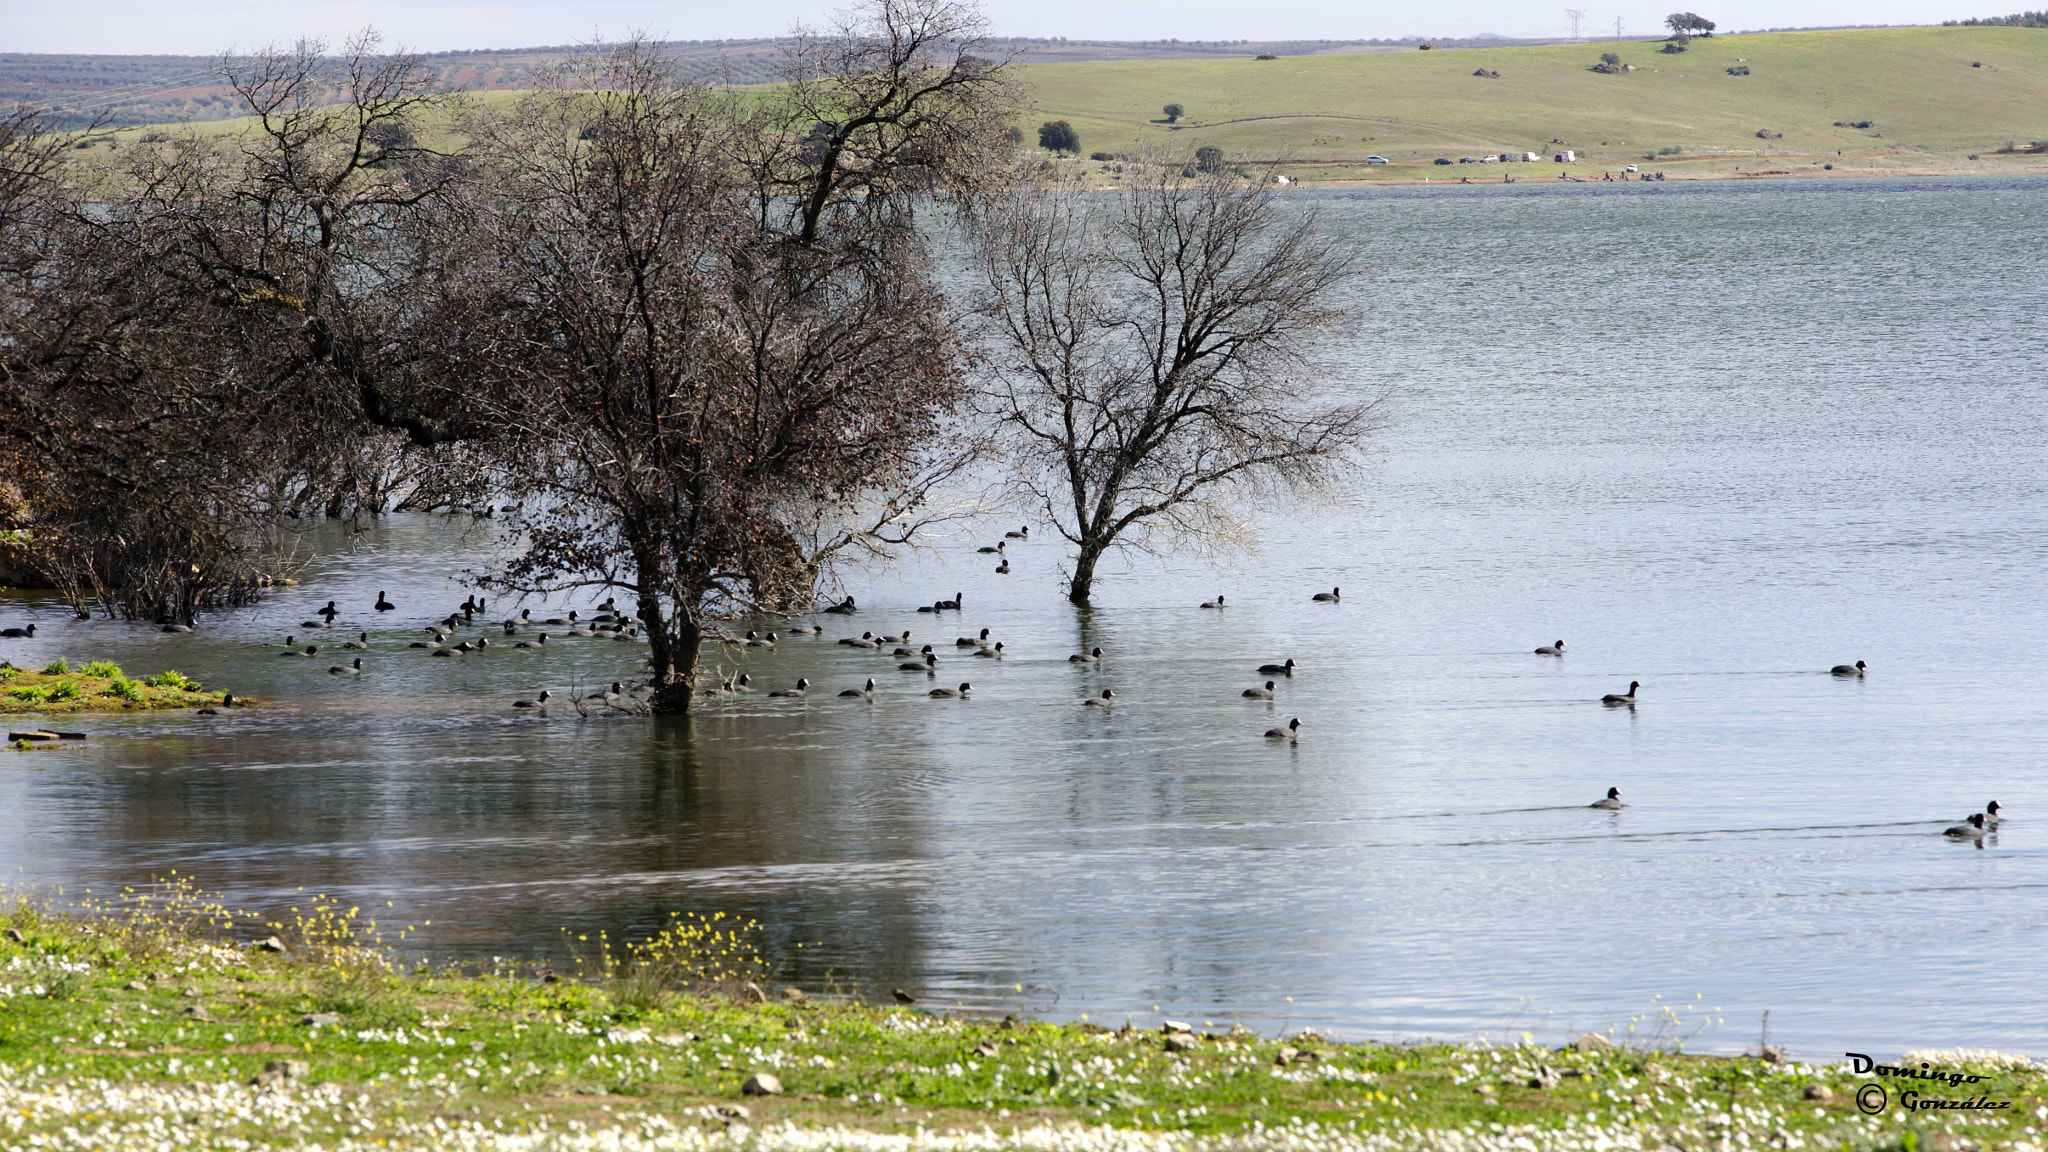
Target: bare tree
x,y
1154,358
212,333
706,333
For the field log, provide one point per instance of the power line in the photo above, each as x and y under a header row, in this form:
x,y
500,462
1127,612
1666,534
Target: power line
x,y
1617,27
1576,16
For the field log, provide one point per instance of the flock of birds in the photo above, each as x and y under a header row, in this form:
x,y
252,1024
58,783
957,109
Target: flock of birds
x,y
609,621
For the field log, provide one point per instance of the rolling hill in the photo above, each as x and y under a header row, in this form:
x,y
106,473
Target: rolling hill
x,y
1932,97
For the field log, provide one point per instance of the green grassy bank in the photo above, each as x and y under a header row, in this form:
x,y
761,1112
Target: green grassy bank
x,y
100,686
1934,97
156,1022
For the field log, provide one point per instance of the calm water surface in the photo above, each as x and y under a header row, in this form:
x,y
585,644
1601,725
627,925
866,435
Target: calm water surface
x,y
1718,438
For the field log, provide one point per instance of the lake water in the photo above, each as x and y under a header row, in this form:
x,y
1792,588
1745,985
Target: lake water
x,y
1716,437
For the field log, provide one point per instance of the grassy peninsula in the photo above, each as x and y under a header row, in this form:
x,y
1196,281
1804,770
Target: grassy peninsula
x,y
100,686
154,1020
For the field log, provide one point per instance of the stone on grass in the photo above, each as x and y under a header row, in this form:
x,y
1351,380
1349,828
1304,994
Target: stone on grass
x,y
198,1012
1772,1054
1591,1042
1181,1042
987,1050
794,994
762,1084
734,1112
137,986
14,935
320,1019
1819,1092
1171,1026
270,944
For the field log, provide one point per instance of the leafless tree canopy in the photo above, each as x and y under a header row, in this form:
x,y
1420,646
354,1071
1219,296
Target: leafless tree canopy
x,y
695,335
1154,354
700,335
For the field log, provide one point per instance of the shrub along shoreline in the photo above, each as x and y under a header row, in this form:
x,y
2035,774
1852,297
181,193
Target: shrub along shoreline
x,y
100,686
151,1023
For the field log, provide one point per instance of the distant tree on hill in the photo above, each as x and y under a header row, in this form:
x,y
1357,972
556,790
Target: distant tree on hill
x,y
1610,58
1059,136
1684,24
1209,158
1173,113
1015,135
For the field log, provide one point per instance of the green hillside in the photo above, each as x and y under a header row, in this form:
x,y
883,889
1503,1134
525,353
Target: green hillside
x,y
1937,99
1928,106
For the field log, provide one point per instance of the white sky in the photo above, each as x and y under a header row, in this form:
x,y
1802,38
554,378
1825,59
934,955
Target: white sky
x,y
185,27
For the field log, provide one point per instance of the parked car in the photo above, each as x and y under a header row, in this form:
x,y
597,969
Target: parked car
x,y
1440,160
1630,168
1377,160
1489,159
1468,159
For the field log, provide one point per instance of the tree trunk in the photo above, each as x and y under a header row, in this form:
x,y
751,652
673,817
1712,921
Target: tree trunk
x,y
672,650
1084,572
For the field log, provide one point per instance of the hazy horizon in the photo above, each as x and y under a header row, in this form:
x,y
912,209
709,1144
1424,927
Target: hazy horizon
x,y
183,27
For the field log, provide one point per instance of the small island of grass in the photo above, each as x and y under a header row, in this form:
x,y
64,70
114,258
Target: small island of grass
x,y
100,686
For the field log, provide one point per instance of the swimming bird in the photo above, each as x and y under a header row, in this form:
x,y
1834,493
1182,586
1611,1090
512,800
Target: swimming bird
x,y
1290,733
1103,701
384,604
1090,657
864,640
1991,811
19,633
903,639
1628,697
419,644
1216,603
330,612
446,652
1003,569
1856,669
960,692
360,643
537,642
867,693
1973,829
314,624
1330,597
542,702
1265,693
843,608
995,653
980,641
354,669
930,665
1613,800
803,685
767,641
952,605
1023,533
992,549
1286,669
1555,649
175,628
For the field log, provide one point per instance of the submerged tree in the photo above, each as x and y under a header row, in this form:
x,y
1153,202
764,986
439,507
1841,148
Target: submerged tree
x,y
704,332
1154,356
